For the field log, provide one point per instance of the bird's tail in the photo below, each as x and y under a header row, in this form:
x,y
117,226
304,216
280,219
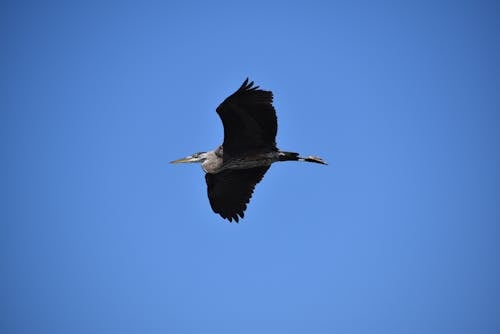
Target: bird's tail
x,y
292,156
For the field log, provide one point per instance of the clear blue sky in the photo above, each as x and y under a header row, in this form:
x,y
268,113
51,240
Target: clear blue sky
x,y
399,234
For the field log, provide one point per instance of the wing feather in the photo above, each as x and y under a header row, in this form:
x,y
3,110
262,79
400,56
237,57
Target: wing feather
x,y
249,120
230,191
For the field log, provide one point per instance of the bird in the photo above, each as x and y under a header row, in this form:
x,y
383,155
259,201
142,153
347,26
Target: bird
x,y
249,148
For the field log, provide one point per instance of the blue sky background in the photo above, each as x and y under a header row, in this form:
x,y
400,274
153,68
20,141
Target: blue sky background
x,y
399,234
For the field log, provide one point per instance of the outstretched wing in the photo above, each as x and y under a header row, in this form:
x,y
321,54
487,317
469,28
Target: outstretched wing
x,y
249,120
230,190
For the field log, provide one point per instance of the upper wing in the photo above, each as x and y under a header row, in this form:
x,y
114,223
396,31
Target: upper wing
x,y
249,120
230,190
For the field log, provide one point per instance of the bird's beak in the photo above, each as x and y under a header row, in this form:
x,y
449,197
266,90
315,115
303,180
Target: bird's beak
x,y
184,160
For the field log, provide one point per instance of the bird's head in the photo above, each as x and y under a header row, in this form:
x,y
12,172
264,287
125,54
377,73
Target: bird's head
x,y
196,157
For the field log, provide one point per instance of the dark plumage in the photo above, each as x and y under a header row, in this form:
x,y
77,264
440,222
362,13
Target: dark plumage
x,y
249,121
230,191
249,148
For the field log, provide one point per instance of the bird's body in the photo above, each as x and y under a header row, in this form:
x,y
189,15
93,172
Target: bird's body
x,y
249,148
215,161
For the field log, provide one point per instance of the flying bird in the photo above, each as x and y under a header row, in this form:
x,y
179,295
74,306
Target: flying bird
x,y
249,148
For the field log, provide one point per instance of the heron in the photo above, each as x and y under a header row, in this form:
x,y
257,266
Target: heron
x,y
249,148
